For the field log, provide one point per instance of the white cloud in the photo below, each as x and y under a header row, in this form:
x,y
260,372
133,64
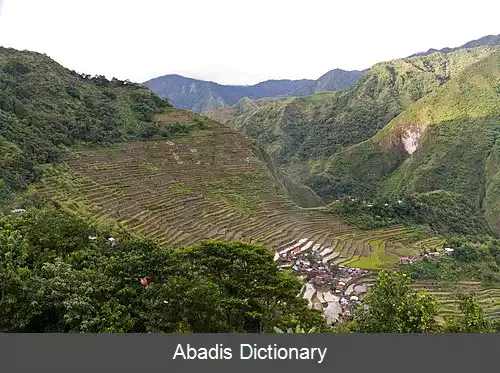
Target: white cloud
x,y
234,41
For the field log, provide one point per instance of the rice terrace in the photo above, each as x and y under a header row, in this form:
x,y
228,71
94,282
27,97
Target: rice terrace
x,y
214,184
207,185
365,201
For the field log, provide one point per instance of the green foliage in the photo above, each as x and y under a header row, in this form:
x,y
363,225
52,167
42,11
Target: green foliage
x,y
54,278
470,261
394,307
442,211
44,107
466,253
472,319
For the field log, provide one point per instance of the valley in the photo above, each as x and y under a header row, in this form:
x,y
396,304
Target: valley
x,y
287,195
208,185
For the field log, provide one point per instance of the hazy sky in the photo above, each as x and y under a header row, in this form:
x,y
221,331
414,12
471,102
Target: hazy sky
x,y
236,41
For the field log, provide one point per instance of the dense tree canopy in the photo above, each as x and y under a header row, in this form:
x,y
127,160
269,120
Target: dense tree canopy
x,y
394,307
55,278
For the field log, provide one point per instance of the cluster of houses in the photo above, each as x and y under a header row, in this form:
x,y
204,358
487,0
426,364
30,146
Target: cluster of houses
x,y
308,266
434,254
328,287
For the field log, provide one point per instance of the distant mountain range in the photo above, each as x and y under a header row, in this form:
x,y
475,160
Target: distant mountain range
x,y
203,96
489,41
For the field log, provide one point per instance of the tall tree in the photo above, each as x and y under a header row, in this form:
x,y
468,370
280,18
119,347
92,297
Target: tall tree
x,y
472,319
394,307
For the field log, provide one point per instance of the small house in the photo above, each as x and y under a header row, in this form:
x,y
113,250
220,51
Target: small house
x,y
405,260
18,211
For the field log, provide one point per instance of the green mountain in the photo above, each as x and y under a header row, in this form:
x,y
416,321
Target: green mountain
x,y
488,40
448,140
203,96
298,130
45,108
323,140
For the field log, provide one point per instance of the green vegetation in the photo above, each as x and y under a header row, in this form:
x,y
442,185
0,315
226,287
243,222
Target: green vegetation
x,y
378,258
455,129
478,260
472,319
45,108
55,278
394,306
444,212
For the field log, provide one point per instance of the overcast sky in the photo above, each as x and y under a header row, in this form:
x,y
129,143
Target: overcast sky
x,y
237,41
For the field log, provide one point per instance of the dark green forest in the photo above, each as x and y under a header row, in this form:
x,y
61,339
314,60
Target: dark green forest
x,y
56,278
45,108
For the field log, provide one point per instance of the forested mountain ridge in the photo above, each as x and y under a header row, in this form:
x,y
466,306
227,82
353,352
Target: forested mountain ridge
x,y
300,130
321,139
448,140
202,96
488,40
45,108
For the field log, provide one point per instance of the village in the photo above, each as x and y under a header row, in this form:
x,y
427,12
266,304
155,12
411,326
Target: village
x,y
328,287
335,289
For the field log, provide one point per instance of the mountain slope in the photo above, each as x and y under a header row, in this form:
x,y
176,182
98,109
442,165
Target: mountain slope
x,y
121,157
210,184
337,80
447,140
45,108
300,133
203,96
489,40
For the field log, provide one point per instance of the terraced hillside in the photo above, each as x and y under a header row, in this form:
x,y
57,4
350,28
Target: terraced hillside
x,y
211,184
370,249
487,297
448,294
